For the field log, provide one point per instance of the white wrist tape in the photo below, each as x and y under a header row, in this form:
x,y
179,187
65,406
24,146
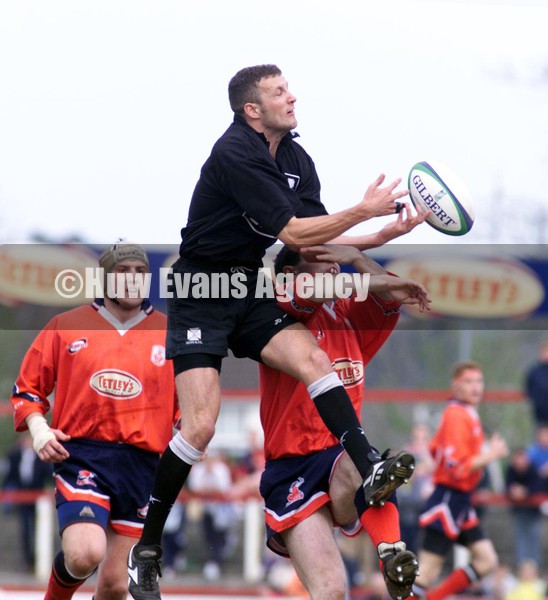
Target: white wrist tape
x,y
40,432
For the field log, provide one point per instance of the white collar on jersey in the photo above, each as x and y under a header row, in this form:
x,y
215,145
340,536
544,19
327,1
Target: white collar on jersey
x,y
122,328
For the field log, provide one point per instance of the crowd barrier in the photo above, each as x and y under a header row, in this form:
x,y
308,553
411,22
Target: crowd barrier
x,y
253,523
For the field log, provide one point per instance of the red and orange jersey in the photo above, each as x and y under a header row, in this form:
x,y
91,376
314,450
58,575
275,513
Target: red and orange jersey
x,y
458,440
110,384
350,333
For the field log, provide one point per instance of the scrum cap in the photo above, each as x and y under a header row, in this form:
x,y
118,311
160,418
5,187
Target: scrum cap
x,y
122,250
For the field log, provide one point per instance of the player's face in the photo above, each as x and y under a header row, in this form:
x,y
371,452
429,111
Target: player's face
x,y
469,386
130,283
277,105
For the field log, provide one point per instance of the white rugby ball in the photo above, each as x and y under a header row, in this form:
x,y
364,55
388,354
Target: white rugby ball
x,y
436,188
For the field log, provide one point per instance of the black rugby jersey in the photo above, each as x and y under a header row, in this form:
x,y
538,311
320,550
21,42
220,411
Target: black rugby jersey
x,y
244,197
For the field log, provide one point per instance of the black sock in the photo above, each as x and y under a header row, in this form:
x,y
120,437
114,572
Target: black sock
x,y
171,475
338,414
63,577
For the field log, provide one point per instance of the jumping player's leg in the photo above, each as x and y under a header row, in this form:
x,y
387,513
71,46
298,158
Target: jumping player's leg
x,y
199,395
196,341
316,556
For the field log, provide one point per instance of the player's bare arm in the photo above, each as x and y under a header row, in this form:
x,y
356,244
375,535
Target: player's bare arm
x,y
344,255
406,222
377,202
332,253
388,287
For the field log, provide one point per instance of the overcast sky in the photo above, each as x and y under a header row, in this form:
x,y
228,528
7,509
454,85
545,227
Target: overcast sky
x,y
108,108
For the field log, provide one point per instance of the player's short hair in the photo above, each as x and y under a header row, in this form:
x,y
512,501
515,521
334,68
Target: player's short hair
x,y
122,250
286,258
244,86
466,365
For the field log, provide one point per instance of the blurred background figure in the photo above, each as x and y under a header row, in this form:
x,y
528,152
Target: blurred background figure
x,y
281,577
359,558
213,476
376,588
529,585
249,468
500,583
522,482
461,453
536,386
25,471
411,497
174,542
538,454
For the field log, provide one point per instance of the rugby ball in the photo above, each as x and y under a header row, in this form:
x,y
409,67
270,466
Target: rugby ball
x,y
434,187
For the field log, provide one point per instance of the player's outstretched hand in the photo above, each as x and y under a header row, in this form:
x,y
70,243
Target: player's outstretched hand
x,y
406,222
407,291
381,201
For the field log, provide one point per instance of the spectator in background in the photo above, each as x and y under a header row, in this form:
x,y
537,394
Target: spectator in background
x,y
522,482
538,454
411,498
212,476
536,386
25,471
500,583
247,473
376,590
174,541
529,585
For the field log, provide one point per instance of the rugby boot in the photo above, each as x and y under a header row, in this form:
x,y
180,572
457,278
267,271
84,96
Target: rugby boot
x,y
386,474
144,571
399,568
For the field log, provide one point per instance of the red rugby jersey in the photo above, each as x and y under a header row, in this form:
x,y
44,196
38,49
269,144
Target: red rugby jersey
x,y
350,333
111,385
458,439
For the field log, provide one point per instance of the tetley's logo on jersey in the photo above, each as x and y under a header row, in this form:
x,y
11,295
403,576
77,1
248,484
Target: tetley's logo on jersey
x,y
115,384
350,372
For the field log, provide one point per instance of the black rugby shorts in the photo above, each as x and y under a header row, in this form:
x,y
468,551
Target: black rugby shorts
x,y
204,319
